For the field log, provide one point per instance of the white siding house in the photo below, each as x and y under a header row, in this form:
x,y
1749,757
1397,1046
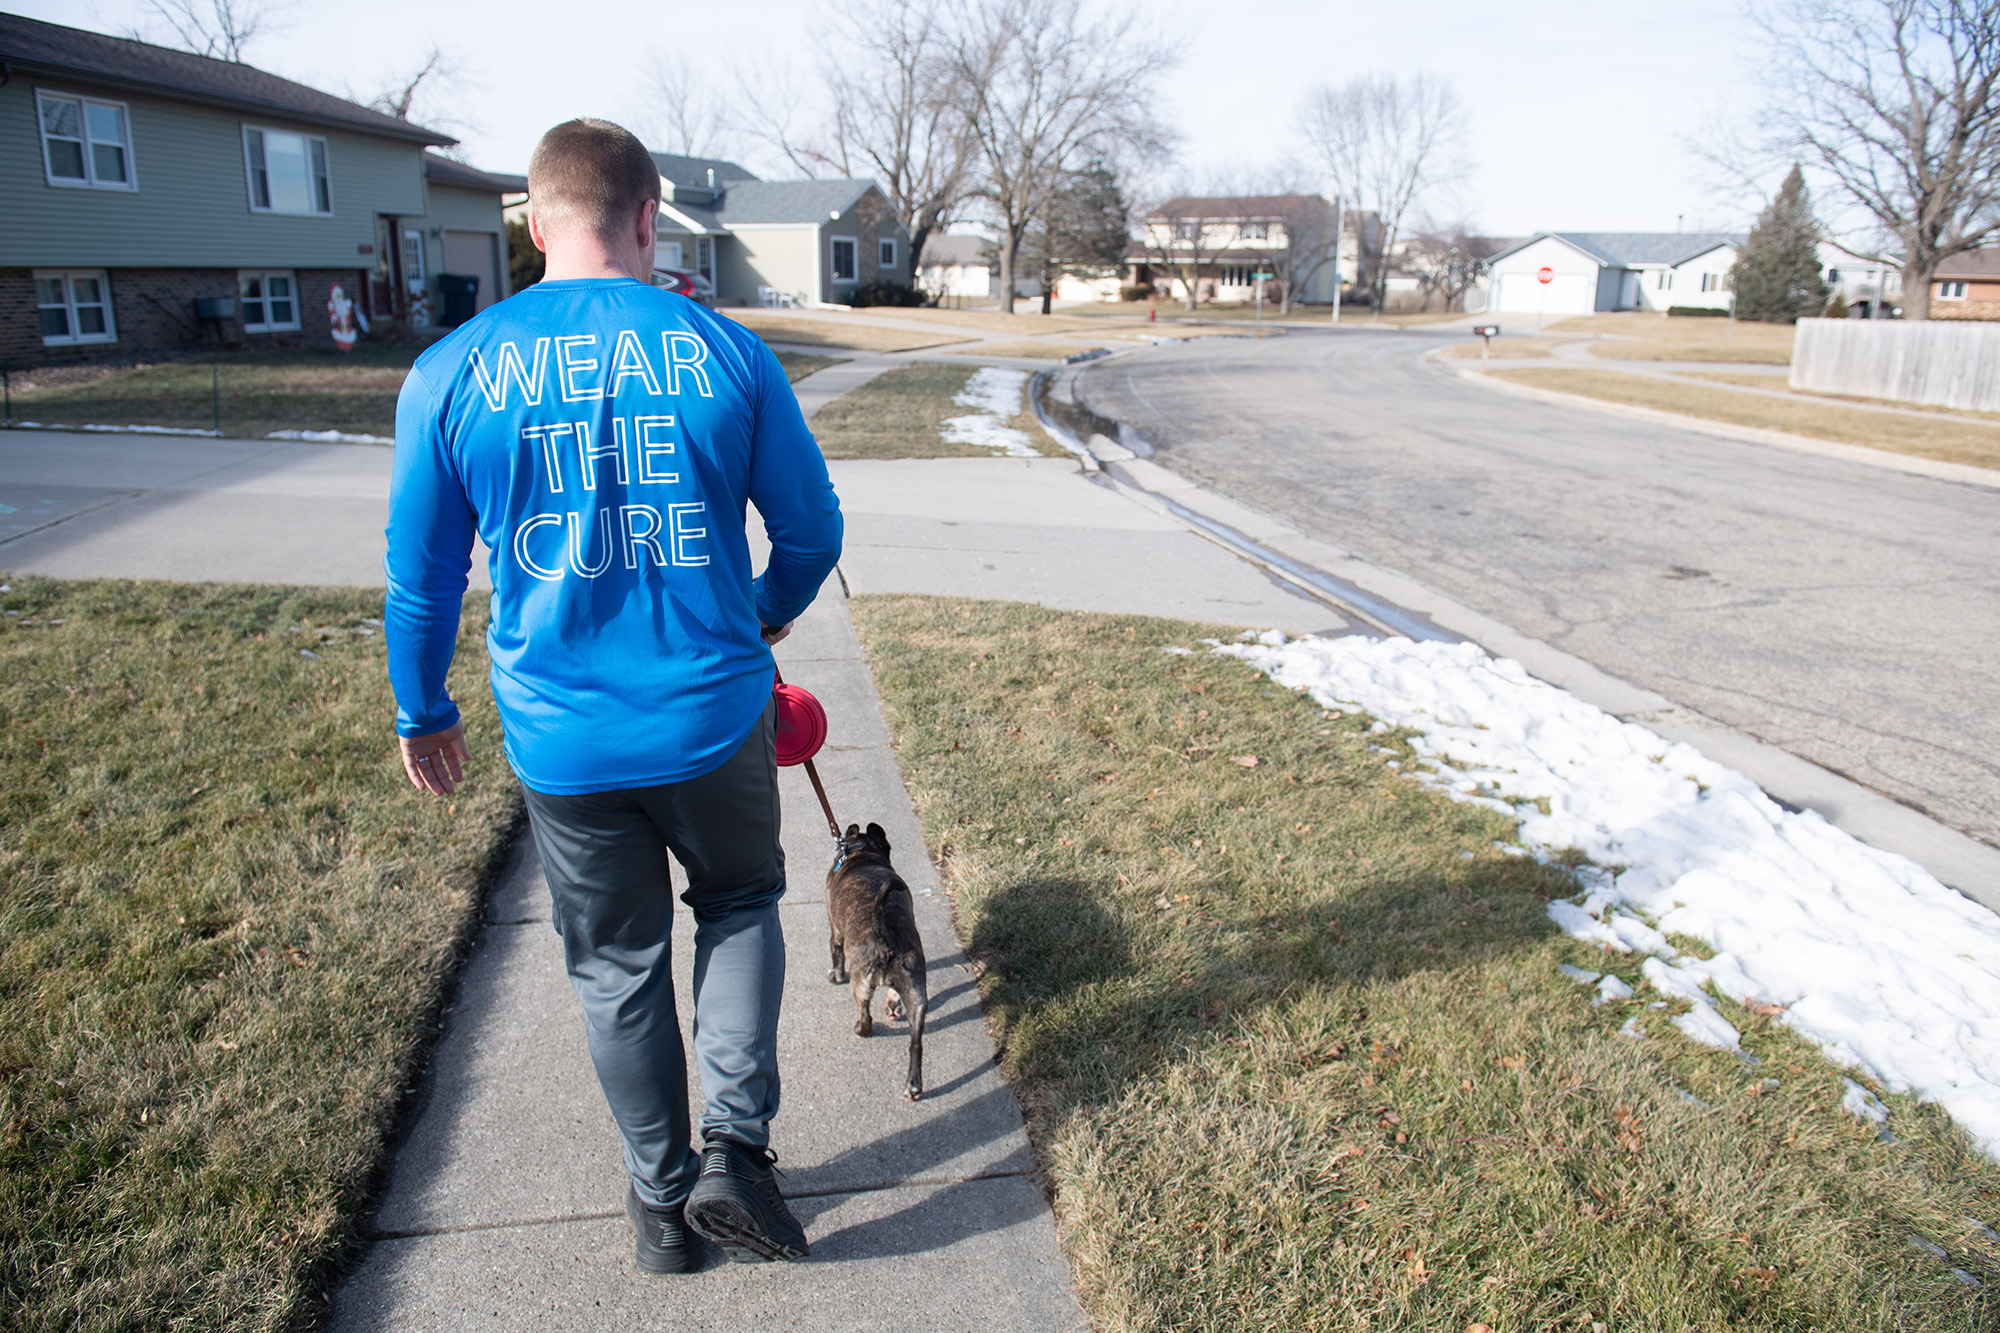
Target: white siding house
x,y
1597,271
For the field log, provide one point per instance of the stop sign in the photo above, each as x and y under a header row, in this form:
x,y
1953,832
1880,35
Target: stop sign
x,y
1545,276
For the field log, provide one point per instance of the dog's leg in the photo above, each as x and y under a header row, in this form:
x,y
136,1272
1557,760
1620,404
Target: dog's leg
x,y
918,1006
864,994
837,974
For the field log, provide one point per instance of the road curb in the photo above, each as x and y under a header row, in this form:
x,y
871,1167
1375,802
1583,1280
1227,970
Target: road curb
x,y
1936,469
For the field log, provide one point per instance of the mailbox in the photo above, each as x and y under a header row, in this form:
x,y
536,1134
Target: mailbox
x,y
1486,331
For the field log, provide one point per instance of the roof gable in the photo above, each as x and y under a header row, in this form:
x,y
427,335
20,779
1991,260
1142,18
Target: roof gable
x,y
31,46
1246,207
1628,249
1981,264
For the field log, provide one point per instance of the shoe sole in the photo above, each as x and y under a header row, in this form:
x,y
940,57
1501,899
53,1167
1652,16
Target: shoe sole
x,y
732,1228
665,1264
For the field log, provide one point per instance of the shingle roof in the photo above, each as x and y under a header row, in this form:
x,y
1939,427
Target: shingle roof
x,y
1972,264
701,215
748,203
694,170
941,249
48,48
444,171
1623,249
1259,206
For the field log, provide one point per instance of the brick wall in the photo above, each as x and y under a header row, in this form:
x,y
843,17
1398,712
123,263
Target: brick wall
x,y
153,310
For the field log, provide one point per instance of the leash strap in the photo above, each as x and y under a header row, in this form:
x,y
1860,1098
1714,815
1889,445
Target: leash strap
x,y
819,790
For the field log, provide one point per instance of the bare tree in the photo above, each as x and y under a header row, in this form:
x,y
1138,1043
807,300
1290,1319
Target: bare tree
x,y
1899,102
1447,259
677,111
423,92
220,29
1048,90
1387,144
1304,246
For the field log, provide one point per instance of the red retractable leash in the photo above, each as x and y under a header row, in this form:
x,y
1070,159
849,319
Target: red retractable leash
x,y
801,727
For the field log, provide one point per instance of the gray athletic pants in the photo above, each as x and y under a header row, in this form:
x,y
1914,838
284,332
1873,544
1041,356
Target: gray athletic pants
x,y
605,858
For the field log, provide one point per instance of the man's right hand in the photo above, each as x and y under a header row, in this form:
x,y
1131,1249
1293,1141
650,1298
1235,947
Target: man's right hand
x,y
436,762
774,634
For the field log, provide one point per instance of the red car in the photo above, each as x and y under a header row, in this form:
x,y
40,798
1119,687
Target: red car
x,y
691,285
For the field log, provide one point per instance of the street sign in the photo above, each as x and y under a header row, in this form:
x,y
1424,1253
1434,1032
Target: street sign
x,y
1486,331
1545,276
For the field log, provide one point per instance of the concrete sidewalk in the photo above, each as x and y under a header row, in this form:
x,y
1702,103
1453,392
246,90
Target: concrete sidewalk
x,y
503,1210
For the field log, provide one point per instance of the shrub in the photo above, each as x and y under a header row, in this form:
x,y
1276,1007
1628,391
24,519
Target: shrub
x,y
1696,311
882,292
1836,308
1137,291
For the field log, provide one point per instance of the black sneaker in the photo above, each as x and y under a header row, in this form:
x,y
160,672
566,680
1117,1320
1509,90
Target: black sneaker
x,y
736,1204
663,1243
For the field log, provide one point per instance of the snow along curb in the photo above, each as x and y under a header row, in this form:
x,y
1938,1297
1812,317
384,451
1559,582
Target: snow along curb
x,y
1867,955
1936,469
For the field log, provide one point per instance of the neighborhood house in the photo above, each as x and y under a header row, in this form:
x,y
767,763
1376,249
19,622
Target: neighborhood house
x,y
759,242
1967,286
1576,273
1225,242
153,201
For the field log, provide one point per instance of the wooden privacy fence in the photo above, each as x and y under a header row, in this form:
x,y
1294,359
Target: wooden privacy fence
x,y
1946,364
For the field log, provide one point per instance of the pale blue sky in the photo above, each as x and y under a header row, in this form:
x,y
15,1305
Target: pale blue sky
x,y
1578,107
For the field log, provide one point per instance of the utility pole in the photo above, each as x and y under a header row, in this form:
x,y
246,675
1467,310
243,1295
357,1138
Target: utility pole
x,y
1338,237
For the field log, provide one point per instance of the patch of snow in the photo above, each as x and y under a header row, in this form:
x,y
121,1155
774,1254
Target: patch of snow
x,y
120,430
1869,956
329,437
1611,988
996,392
1858,1101
1631,1029
1577,973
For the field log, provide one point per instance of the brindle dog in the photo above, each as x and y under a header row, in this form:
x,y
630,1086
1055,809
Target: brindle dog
x,y
874,925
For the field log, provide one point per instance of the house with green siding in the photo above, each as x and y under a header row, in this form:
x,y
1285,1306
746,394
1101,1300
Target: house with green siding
x,y
155,202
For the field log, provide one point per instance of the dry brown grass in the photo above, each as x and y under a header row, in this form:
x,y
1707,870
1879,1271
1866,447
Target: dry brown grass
x,y
226,928
779,327
901,414
1777,384
1293,1045
1022,323
1041,351
1644,337
1948,439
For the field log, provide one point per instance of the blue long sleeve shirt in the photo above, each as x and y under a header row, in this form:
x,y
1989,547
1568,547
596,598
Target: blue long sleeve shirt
x,y
602,437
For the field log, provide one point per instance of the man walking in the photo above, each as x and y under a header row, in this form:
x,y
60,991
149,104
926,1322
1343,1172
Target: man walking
x,y
602,437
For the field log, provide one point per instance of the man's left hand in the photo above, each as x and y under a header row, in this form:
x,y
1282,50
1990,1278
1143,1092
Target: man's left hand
x,y
436,762
775,634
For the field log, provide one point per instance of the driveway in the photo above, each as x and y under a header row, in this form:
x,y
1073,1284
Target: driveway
x,y
1846,613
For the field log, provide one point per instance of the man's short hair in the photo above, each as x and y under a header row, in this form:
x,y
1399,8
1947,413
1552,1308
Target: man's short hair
x,y
590,173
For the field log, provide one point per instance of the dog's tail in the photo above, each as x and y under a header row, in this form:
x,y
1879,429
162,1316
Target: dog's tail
x,y
885,928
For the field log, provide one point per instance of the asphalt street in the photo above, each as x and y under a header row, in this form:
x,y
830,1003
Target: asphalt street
x,y
1845,613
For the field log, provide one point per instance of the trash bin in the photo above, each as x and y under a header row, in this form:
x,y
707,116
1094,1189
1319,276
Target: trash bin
x,y
461,295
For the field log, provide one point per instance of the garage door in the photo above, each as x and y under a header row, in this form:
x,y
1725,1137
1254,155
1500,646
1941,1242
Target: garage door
x,y
475,254
1568,294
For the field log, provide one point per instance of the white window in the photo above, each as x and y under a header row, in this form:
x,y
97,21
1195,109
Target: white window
x,y
1951,291
75,307
704,256
270,300
1714,282
85,142
886,255
1256,231
845,248
413,262
288,172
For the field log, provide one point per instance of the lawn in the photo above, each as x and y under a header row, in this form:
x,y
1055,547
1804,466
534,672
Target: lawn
x,y
1506,348
775,326
1644,337
1040,351
1026,321
1777,384
901,414
1294,1050
249,393
1951,439
227,928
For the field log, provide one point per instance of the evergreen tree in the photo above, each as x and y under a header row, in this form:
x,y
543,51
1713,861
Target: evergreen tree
x,y
1777,274
1085,229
